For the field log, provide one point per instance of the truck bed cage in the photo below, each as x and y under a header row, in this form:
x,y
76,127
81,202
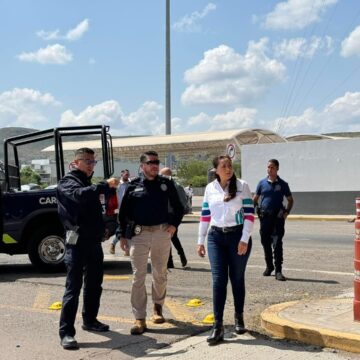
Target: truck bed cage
x,y
12,171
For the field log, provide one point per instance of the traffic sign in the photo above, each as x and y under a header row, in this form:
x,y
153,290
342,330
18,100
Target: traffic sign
x,y
231,150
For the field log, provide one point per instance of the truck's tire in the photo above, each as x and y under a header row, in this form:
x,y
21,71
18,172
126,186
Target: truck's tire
x,y
46,248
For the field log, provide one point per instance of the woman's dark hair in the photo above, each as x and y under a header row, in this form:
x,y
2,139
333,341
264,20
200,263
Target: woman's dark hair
x,y
232,183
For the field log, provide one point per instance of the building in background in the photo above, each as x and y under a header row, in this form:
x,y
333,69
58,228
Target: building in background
x,y
323,174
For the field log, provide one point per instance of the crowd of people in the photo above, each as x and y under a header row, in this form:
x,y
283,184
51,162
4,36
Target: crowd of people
x,y
151,208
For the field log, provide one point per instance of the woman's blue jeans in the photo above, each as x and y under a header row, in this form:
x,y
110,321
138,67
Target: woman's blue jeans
x,y
225,263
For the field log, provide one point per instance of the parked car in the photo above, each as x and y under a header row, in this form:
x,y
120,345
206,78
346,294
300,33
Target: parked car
x,y
29,187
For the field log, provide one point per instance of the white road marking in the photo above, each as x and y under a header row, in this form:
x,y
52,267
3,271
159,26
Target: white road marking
x,y
199,262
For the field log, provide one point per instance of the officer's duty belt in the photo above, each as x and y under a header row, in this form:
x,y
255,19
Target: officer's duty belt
x,y
227,229
152,227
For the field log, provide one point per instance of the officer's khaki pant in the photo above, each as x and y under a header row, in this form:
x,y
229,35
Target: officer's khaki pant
x,y
156,242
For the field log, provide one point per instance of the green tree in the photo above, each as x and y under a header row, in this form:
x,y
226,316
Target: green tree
x,y
28,175
193,172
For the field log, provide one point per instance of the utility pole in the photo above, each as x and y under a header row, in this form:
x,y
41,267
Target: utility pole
x,y
168,81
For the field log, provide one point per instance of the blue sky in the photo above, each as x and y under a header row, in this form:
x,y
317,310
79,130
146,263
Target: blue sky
x,y
289,66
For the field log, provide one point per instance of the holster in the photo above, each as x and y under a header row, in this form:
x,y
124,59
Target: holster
x,y
268,213
129,230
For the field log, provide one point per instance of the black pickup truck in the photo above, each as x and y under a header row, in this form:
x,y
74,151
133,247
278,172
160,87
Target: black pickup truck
x,y
30,223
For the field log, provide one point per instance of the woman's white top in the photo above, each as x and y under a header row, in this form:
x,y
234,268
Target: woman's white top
x,y
238,211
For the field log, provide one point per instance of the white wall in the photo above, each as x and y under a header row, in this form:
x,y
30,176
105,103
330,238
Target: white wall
x,y
308,166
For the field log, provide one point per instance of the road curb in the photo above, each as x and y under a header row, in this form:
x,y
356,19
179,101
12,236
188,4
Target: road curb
x,y
280,327
348,218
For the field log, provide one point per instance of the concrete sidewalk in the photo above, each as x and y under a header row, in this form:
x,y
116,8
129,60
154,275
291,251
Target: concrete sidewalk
x,y
327,323
244,347
195,216
323,322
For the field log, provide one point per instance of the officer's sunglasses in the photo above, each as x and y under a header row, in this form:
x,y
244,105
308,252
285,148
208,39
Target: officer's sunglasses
x,y
152,162
89,162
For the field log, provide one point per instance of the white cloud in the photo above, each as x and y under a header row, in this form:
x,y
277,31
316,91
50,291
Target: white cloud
x,y
52,54
226,77
144,120
49,35
78,31
296,14
240,118
72,35
302,48
199,119
26,107
351,45
190,23
343,114
107,113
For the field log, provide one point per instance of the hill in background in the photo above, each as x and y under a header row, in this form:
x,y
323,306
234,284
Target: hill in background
x,y
345,134
30,150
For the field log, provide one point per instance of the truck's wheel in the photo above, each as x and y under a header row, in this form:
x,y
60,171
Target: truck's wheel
x,y
46,249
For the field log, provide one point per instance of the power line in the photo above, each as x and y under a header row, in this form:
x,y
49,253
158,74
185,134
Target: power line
x,y
311,62
353,71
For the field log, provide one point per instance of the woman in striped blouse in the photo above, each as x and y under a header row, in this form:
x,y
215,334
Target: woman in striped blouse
x,y
228,210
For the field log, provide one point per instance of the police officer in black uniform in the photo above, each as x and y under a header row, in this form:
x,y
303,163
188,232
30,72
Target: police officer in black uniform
x,y
147,226
80,211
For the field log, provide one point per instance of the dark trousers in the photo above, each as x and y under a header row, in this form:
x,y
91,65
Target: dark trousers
x,y
177,244
225,263
272,230
84,263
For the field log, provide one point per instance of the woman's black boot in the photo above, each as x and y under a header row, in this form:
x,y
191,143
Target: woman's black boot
x,y
239,323
217,335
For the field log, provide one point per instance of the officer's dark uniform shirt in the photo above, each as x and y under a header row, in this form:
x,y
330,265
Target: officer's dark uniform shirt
x,y
272,193
79,205
146,202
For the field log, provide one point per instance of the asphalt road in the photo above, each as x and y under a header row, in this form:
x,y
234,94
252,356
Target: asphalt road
x,y
318,263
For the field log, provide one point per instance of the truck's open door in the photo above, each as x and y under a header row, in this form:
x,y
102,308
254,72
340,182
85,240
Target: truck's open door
x,y
11,150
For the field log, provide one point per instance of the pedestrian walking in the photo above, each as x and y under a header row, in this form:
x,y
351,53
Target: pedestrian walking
x,y
268,199
124,182
190,193
80,211
147,225
175,238
228,210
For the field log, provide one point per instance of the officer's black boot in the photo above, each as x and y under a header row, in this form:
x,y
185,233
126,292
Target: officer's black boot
x,y
268,260
217,334
239,323
279,275
170,264
269,269
183,259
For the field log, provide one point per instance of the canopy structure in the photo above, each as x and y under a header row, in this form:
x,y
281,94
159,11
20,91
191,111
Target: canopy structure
x,y
307,137
198,145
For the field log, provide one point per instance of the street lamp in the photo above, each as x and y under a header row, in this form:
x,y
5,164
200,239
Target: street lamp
x,y
167,71
167,80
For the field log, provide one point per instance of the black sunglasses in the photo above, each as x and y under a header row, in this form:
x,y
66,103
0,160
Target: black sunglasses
x,y
152,162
